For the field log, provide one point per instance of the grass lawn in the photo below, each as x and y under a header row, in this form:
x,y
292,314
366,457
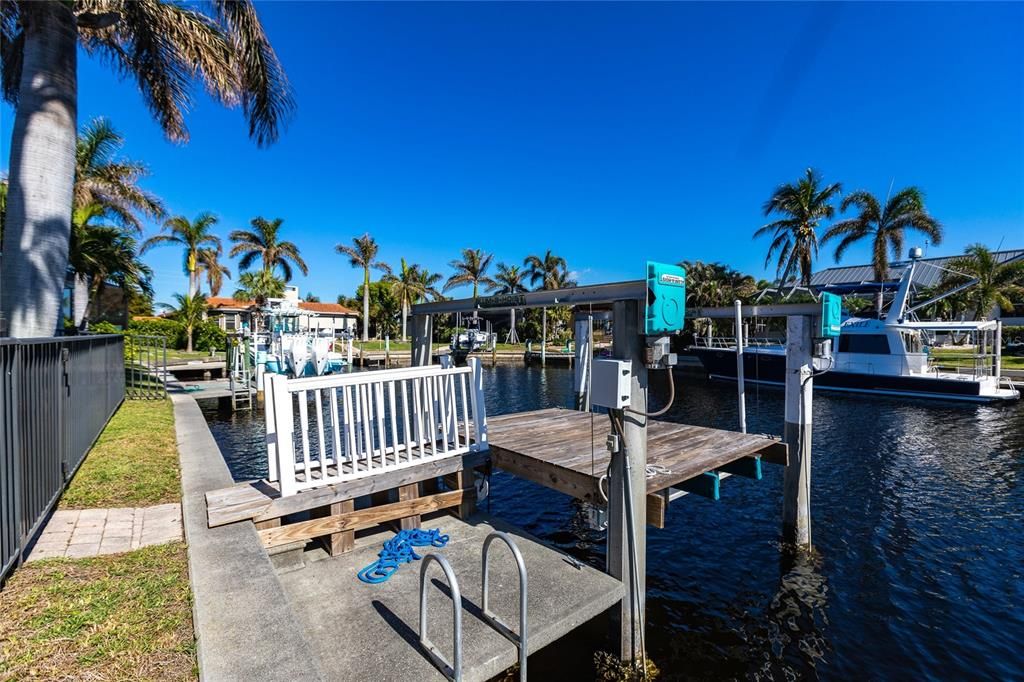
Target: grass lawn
x,y
954,357
174,355
375,346
133,464
117,617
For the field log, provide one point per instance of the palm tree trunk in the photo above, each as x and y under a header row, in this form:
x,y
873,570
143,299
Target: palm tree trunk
x,y
37,225
80,298
366,304
188,340
405,314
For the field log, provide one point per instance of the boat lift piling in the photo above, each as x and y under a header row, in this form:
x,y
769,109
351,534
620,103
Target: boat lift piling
x,y
740,383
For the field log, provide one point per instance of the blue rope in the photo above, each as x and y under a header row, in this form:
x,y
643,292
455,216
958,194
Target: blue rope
x,y
399,550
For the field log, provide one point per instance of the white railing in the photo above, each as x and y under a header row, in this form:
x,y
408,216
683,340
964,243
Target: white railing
x,y
329,429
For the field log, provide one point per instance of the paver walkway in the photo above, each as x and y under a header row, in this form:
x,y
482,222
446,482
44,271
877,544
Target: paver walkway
x,y
76,533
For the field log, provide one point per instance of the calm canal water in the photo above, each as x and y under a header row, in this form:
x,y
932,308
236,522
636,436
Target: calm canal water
x,y
919,547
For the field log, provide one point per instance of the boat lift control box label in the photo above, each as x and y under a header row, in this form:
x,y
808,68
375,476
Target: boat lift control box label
x,y
666,299
831,315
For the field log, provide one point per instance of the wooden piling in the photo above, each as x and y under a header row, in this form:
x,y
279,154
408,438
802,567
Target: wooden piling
x,y
581,366
796,486
627,346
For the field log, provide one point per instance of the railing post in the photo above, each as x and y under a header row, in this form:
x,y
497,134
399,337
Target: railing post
x,y
284,427
421,325
479,405
271,426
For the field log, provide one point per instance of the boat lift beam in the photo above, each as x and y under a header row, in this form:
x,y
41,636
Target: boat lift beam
x,y
593,294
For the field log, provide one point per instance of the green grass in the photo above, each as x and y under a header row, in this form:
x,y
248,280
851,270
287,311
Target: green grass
x,y
958,357
133,464
376,346
117,617
184,356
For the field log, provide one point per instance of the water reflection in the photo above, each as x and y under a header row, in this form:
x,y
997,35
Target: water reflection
x,y
917,518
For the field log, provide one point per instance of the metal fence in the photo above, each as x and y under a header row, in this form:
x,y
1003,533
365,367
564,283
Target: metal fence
x,y
145,359
56,395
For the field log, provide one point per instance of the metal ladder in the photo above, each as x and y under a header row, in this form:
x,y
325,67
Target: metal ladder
x,y
239,378
453,670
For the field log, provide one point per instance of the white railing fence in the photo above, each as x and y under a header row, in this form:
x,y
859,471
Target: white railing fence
x,y
329,429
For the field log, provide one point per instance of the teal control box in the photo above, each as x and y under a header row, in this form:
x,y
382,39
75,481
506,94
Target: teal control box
x,y
831,315
666,299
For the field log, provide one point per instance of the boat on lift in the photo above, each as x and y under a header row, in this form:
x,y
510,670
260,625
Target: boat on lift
x,y
471,340
890,356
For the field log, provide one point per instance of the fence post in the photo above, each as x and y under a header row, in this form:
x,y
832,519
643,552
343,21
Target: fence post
x,y
271,426
478,405
284,428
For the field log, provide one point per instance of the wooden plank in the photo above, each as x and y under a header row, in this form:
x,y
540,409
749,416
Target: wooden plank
x,y
344,541
359,519
406,493
259,500
576,484
657,505
269,523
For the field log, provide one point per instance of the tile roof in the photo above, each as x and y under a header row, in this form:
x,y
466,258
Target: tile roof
x,y
330,308
227,302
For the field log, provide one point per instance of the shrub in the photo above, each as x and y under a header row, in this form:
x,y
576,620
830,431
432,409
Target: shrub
x,y
104,327
209,336
172,330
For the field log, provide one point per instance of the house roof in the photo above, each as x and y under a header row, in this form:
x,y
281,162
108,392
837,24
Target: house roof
x,y
326,308
848,276
224,302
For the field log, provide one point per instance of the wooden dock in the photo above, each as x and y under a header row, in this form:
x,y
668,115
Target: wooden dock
x,y
565,450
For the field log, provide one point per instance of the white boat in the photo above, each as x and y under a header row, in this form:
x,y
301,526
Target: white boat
x,y
887,356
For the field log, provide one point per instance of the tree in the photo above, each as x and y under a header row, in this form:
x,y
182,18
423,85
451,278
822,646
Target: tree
x,y
510,280
795,239
263,243
547,272
165,46
190,312
194,236
884,226
209,264
384,307
105,253
363,254
258,286
409,286
111,182
997,282
472,269
312,298
715,284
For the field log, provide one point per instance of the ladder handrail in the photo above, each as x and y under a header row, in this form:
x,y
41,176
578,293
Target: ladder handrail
x,y
491,618
453,671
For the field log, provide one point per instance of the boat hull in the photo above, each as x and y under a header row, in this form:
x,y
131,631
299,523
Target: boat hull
x,y
770,368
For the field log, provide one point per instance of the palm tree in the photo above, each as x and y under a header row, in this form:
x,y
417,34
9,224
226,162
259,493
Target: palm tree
x,y
547,272
105,253
110,182
190,311
263,242
209,264
194,236
363,254
472,269
165,46
258,286
510,280
997,282
795,238
408,286
885,226
715,284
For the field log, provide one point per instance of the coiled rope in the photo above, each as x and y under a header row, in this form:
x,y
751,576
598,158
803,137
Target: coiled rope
x,y
399,550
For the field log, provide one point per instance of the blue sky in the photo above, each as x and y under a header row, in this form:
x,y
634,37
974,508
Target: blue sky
x,y
610,133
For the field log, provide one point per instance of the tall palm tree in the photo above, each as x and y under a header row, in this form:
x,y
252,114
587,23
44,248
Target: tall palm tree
x,y
194,236
546,272
795,238
258,286
264,242
215,271
998,283
715,284
409,286
472,269
190,311
165,46
510,280
885,226
111,182
363,254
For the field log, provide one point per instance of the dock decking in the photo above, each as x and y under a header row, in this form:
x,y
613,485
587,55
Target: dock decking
x,y
565,450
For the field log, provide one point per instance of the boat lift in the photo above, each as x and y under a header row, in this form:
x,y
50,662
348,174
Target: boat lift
x,y
810,329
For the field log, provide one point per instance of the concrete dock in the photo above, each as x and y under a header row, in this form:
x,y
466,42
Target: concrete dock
x,y
362,631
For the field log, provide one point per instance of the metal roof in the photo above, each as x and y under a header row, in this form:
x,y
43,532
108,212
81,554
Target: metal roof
x,y
848,276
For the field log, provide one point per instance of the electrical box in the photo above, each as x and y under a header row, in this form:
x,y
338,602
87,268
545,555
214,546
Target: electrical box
x,y
666,299
610,383
831,315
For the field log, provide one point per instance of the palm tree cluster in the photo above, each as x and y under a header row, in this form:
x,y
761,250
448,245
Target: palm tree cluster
x,y
163,45
998,284
803,205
